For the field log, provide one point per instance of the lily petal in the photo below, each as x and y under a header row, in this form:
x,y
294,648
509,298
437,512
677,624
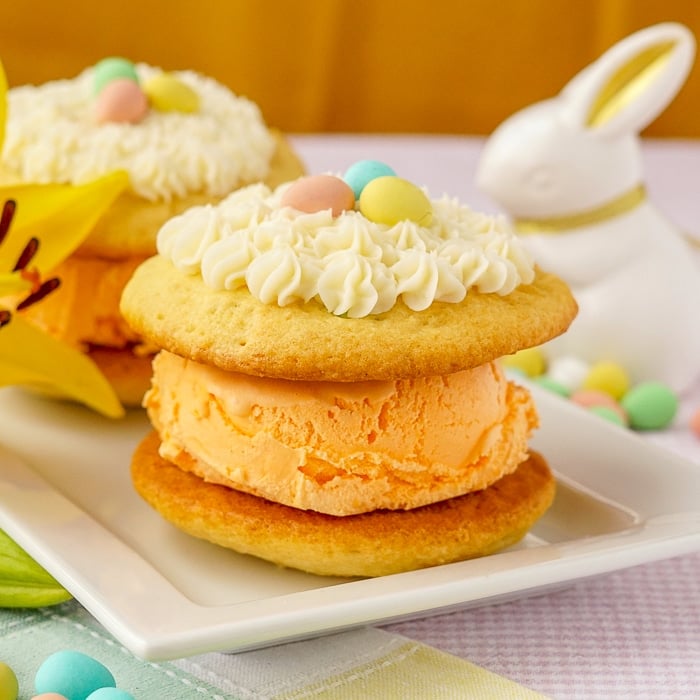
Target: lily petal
x,y
30,357
60,216
3,104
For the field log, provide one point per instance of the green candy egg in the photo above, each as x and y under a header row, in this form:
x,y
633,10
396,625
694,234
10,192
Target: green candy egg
x,y
109,69
552,385
9,687
389,199
650,406
610,414
167,93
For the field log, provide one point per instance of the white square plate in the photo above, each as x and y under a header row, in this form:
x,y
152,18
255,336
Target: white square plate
x,y
66,497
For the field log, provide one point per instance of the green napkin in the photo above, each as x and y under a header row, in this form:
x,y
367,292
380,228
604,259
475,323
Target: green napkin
x,y
23,583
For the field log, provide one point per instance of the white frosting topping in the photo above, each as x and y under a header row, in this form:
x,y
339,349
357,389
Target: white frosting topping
x,y
352,265
52,138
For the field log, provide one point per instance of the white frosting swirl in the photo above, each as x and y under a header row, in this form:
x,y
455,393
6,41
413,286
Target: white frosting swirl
x,y
52,138
351,265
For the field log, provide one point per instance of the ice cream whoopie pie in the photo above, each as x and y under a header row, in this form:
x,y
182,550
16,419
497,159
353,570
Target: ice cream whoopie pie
x,y
327,395
182,138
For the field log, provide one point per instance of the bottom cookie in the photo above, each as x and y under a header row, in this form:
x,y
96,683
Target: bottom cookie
x,y
370,544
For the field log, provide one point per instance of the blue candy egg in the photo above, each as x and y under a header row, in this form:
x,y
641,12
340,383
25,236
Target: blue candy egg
x,y
72,674
364,171
110,694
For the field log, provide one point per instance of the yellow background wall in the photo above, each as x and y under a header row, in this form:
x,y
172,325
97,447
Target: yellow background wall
x,y
446,66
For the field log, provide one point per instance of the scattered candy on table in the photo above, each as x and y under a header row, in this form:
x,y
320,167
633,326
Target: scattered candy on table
x,y
9,688
74,675
530,361
66,675
650,406
695,422
608,377
604,388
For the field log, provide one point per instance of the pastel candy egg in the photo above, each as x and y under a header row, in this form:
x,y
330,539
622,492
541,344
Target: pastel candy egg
x,y
610,414
695,422
317,193
608,377
552,385
650,406
568,371
389,199
9,687
110,694
122,100
530,361
167,93
112,68
72,674
363,172
49,696
593,397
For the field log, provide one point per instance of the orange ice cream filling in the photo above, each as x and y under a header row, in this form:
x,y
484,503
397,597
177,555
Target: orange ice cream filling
x,y
84,310
341,448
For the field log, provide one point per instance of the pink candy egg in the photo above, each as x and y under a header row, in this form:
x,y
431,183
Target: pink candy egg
x,y
317,193
695,422
595,398
49,696
121,100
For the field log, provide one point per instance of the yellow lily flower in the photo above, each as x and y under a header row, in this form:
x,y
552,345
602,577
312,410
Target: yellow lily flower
x,y
40,226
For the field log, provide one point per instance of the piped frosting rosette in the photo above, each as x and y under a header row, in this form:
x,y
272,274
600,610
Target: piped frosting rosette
x,y
356,256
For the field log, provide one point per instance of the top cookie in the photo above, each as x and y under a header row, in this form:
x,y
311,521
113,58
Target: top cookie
x,y
269,284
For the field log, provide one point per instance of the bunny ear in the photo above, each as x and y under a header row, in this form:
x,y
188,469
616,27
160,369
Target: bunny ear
x,y
633,82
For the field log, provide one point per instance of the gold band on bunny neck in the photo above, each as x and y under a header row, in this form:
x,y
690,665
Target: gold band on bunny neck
x,y
560,224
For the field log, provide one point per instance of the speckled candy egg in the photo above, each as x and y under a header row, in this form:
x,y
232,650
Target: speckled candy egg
x,y
317,193
110,694
72,674
167,93
361,173
9,687
650,406
608,377
388,200
121,100
112,68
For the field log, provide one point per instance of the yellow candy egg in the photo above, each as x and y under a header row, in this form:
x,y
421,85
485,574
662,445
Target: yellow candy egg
x,y
167,93
9,686
317,193
121,100
390,199
530,362
608,377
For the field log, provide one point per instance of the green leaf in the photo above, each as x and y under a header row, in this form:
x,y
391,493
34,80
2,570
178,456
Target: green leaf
x,y
23,583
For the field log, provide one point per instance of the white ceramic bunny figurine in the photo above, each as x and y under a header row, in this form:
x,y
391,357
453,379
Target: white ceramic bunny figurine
x,y
568,171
